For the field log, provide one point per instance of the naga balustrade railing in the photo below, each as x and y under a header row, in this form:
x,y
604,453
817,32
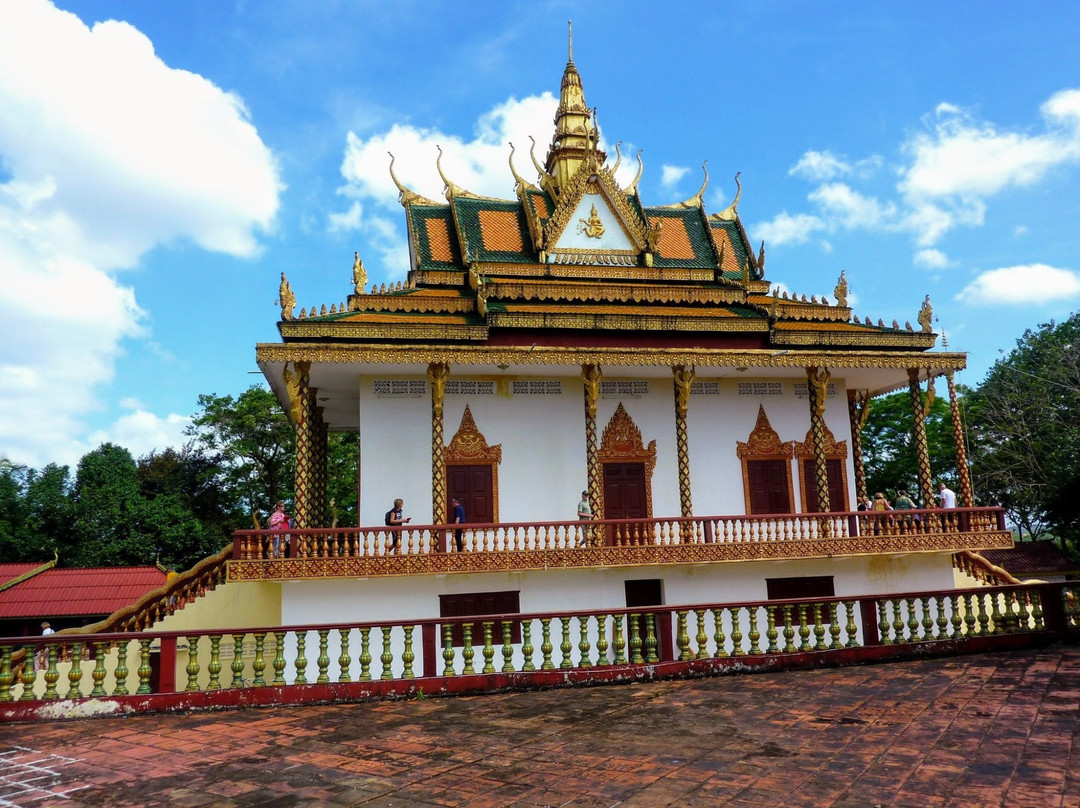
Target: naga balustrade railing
x,y
103,673
373,541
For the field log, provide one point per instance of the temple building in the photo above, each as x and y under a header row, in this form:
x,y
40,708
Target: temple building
x,y
572,337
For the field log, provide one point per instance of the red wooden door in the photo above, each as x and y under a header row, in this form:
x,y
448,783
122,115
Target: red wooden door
x,y
471,485
837,494
768,483
625,497
649,592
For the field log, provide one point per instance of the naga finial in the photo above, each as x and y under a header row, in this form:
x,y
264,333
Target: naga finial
x,y
618,158
521,184
926,315
286,298
698,199
359,274
841,290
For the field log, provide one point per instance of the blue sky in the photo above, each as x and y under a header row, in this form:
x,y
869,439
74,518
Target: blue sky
x,y
162,163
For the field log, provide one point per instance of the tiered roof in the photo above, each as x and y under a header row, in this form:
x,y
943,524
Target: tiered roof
x,y
579,259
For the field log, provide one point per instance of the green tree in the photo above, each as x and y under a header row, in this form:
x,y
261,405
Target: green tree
x,y
1025,439
107,511
12,510
341,461
253,437
48,511
889,453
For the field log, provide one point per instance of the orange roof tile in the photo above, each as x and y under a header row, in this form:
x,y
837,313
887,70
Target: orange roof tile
x,y
674,240
438,233
500,230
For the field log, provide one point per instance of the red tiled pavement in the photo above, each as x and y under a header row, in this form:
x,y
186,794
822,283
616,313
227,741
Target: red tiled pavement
x,y
989,730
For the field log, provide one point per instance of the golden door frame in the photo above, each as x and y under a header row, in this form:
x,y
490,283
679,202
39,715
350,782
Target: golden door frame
x,y
764,443
834,450
469,447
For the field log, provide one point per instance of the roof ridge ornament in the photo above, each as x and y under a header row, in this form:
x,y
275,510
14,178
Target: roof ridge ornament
x,y
547,182
632,187
521,184
449,187
407,196
731,212
698,199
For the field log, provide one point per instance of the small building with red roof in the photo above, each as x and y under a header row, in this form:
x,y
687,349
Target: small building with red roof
x,y
68,597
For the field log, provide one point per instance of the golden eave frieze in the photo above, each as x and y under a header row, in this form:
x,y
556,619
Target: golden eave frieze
x,y
590,272
416,304
854,339
410,331
611,292
621,357
625,322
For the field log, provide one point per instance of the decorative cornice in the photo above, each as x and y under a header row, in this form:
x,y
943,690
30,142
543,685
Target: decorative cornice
x,y
872,339
626,357
626,322
585,292
412,331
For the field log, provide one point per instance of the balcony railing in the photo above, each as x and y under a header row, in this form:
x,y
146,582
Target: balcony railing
x,y
80,676
524,545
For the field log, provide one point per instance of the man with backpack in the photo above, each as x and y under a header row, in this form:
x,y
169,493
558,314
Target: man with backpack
x,y
395,518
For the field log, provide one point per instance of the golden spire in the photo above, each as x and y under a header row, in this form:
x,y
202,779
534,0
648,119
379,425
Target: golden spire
x,y
575,134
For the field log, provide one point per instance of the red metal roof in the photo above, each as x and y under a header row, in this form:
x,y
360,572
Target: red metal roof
x,y
76,592
9,572
1032,558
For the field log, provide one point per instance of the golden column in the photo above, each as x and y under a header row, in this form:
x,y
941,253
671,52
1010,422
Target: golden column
x,y
967,496
303,415
591,376
919,409
684,380
858,410
818,388
437,374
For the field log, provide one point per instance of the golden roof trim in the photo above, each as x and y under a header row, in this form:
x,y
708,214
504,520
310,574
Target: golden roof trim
x,y
342,353
623,322
587,291
413,331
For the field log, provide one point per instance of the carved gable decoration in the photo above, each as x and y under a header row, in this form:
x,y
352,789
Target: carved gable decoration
x,y
833,449
469,446
593,223
764,441
622,442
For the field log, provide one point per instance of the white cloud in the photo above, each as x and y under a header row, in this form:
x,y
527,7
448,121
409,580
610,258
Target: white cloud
x,y
788,229
109,152
931,259
141,432
1022,285
670,175
951,168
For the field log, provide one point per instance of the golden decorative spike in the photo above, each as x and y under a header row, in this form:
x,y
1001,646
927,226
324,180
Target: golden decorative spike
x,y
731,212
813,299
698,199
618,157
907,325
449,187
359,274
374,288
547,182
926,315
382,289
323,309
841,290
868,321
895,325
804,298
785,295
405,195
333,308
303,314
520,183
632,187
881,323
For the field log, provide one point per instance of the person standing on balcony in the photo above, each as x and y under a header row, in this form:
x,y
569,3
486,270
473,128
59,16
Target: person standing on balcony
x,y
395,518
279,520
946,498
584,514
459,519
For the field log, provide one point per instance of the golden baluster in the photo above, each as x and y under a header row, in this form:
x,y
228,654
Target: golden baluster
x,y
804,629
927,621
819,630
214,668
279,658
467,651
736,631
387,657
718,633
323,660
300,664
75,672
650,638
770,632
365,655
702,638
834,628
120,675
145,671
192,667
408,656
618,640
344,660
789,631
258,665
754,634
682,639
7,675
566,647
527,646
99,673
507,647
448,650
488,650
545,645
29,672
601,640
851,628
635,639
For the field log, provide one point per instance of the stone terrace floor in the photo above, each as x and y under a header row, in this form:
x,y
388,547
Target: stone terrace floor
x,y
988,730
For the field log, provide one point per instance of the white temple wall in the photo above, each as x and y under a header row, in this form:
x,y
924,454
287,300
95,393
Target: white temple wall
x,y
543,467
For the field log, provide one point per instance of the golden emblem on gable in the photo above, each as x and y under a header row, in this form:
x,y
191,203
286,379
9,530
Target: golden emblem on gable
x,y
763,441
469,444
592,227
622,441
